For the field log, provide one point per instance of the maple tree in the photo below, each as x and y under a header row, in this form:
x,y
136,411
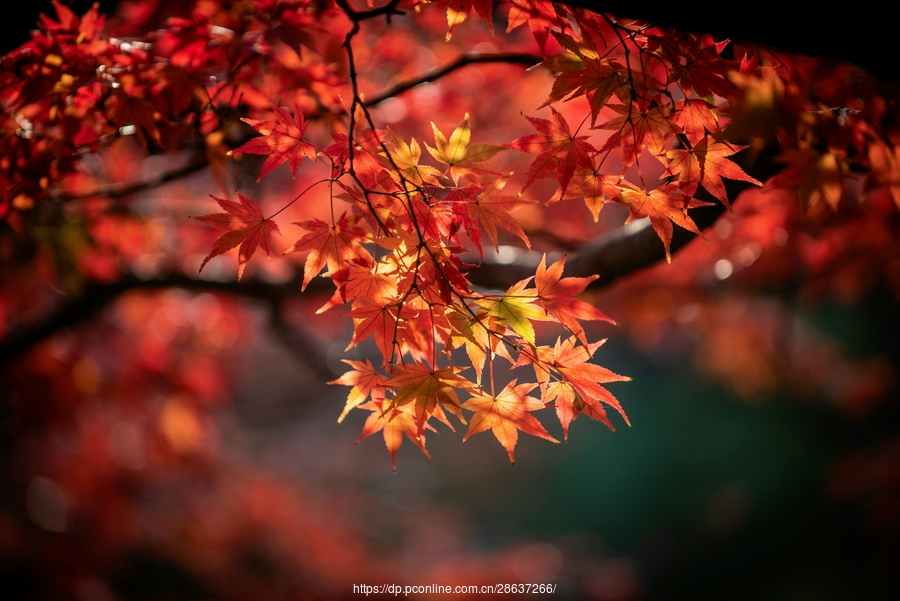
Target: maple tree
x,y
659,121
463,178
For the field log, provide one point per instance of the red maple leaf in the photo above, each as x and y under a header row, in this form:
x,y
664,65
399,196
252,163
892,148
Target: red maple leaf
x,y
281,139
560,151
695,116
699,67
505,414
541,16
705,164
483,204
244,224
637,129
585,74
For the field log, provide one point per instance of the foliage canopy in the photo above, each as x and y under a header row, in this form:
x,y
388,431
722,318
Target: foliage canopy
x,y
656,122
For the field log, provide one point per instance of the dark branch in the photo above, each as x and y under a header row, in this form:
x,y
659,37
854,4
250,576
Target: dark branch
x,y
197,163
361,15
631,248
468,58
96,295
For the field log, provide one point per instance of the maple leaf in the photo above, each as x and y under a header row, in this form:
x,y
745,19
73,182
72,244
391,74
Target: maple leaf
x,y
560,151
694,116
407,156
817,176
480,333
368,164
458,155
364,380
570,404
516,308
664,205
505,414
360,279
706,164
585,74
386,321
483,204
885,174
125,109
426,388
394,422
244,224
571,362
458,11
594,187
281,139
557,297
637,129
540,15
699,67
330,244
68,20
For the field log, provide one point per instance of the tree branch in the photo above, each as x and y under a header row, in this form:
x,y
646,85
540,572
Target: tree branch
x,y
197,162
633,247
467,58
96,295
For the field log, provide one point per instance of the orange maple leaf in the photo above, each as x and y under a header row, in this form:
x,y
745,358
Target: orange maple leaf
x,y
387,322
505,414
571,362
557,296
394,422
429,389
281,139
244,224
663,206
364,380
594,187
330,244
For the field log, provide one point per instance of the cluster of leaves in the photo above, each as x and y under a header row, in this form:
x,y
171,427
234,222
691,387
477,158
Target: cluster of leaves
x,y
664,115
394,255
74,88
